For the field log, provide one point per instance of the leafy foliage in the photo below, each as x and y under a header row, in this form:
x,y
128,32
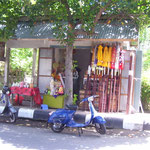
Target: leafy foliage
x,y
68,15
145,94
146,65
21,59
71,18
10,12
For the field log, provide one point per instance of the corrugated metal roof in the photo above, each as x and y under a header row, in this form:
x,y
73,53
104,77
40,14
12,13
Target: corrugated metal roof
x,y
103,31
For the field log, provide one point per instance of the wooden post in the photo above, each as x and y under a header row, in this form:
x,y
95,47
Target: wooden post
x,y
6,71
130,84
34,64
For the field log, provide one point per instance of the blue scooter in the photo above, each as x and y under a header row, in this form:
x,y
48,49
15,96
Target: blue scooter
x,y
62,118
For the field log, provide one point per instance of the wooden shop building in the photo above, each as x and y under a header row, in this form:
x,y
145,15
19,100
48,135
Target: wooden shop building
x,y
108,63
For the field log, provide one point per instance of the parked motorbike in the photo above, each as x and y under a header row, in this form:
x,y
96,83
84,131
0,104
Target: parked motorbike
x,y
62,118
6,108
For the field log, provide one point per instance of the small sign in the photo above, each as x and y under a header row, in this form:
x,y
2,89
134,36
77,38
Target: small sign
x,y
134,43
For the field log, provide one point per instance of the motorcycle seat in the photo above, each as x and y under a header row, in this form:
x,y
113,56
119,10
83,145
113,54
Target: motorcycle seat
x,y
72,107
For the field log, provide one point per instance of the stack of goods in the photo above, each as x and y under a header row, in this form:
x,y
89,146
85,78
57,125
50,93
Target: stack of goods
x,y
103,77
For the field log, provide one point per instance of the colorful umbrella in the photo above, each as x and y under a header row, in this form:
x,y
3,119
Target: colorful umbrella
x,y
99,55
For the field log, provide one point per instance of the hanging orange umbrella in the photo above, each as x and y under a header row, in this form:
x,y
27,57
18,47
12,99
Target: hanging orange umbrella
x,y
99,55
109,56
105,57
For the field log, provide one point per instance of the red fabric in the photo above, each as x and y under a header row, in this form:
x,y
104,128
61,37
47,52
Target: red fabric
x,y
29,92
113,58
20,99
121,60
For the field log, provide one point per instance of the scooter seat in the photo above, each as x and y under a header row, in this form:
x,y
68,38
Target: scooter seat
x,y
72,107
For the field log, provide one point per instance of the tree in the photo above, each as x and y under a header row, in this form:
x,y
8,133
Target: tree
x,y
10,12
77,17
21,59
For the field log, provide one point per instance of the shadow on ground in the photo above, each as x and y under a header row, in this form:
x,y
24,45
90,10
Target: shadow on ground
x,y
29,134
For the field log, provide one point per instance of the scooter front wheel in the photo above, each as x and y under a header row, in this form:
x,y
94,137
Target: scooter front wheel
x,y
100,128
57,127
12,117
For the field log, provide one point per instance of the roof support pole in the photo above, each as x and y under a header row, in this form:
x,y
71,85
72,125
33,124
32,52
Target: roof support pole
x,y
34,65
6,71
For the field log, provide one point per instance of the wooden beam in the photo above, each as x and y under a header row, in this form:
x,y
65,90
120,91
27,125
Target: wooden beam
x,y
6,71
75,47
45,43
103,40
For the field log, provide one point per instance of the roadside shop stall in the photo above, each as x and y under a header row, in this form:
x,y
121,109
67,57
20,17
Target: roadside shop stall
x,y
105,65
107,77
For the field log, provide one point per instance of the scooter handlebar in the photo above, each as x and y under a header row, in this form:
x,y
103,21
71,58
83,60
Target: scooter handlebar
x,y
93,96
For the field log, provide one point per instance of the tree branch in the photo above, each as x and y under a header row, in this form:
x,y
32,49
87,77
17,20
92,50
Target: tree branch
x,y
99,14
80,32
144,4
65,3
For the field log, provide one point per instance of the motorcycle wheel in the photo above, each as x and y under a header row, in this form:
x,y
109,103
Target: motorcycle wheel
x,y
12,117
57,127
100,128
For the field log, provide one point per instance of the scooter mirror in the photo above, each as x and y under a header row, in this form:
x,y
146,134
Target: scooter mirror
x,y
5,90
90,99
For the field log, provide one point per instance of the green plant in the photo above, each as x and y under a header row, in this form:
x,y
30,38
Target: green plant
x,y
75,98
145,94
21,59
75,64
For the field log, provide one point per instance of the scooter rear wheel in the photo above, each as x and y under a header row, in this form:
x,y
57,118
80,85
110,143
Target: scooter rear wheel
x,y
57,127
12,117
100,128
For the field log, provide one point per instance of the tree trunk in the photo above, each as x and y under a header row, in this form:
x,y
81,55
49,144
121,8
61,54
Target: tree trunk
x,y
69,75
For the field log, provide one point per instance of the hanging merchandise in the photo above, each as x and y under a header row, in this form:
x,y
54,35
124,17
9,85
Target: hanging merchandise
x,y
105,57
113,57
110,92
121,67
117,57
121,60
103,77
109,56
114,100
99,55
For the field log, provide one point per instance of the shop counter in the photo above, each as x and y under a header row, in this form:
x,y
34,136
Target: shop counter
x,y
54,102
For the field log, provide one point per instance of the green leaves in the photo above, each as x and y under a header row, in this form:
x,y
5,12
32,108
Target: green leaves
x,y
72,12
10,12
146,64
21,59
145,94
